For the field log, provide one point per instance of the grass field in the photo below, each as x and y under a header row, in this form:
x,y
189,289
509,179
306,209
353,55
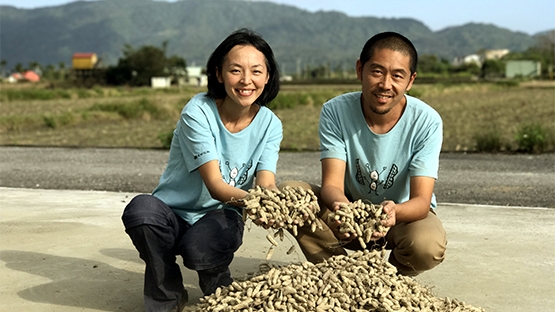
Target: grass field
x,y
477,117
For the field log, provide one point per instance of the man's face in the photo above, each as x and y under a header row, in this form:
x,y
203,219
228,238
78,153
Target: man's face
x,y
385,78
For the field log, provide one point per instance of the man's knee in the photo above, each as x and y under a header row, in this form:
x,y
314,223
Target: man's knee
x,y
421,254
428,254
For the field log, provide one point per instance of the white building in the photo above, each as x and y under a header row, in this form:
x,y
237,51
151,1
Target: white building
x,y
161,82
196,77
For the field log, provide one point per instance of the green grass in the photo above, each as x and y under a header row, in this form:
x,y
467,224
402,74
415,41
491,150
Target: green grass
x,y
477,117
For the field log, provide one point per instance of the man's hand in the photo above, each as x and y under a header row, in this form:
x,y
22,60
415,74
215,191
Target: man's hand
x,y
388,207
335,224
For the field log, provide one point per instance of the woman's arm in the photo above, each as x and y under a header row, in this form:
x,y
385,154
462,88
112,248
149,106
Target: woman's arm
x,y
218,188
266,179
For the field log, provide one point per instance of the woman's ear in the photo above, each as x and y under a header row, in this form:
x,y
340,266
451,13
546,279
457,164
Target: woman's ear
x,y
219,75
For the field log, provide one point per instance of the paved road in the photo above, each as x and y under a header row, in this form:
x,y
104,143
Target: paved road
x,y
504,180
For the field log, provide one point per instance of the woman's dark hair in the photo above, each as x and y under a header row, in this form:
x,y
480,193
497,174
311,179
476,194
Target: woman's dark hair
x,y
242,37
392,41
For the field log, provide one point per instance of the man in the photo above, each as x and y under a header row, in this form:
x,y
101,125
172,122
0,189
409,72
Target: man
x,y
381,145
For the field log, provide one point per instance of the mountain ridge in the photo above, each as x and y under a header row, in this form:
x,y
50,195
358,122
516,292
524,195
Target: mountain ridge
x,y
193,28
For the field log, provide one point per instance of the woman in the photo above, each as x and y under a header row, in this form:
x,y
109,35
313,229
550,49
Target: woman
x,y
225,140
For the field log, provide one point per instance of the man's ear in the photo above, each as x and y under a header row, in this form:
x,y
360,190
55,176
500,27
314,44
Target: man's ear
x,y
358,68
411,82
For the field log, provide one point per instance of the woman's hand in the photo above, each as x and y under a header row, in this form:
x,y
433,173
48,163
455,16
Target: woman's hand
x,y
265,223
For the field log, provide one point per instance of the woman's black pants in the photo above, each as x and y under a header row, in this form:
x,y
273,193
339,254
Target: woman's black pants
x,y
159,235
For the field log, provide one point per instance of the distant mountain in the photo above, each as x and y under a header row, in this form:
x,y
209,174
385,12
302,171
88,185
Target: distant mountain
x,y
193,28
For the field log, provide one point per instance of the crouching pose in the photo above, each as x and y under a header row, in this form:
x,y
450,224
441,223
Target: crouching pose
x,y
225,141
383,146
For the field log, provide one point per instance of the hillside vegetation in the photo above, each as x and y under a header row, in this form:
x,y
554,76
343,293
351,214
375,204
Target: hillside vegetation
x,y
483,117
193,28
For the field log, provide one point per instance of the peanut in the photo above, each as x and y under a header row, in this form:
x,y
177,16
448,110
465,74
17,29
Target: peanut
x,y
333,285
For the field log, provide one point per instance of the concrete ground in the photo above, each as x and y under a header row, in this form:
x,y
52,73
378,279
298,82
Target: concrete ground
x,y
67,251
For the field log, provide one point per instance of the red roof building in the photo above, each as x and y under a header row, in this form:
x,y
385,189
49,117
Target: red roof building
x,y
31,76
24,76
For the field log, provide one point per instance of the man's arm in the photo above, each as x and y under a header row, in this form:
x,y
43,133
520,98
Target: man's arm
x,y
333,191
418,205
333,182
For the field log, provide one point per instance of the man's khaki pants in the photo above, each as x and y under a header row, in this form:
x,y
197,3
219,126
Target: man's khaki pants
x,y
415,246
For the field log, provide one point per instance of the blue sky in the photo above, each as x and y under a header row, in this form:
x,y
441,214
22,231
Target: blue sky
x,y
529,16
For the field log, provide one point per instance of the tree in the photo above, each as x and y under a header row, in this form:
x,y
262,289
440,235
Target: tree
x,y
426,63
469,68
3,64
177,66
137,67
49,72
493,69
62,71
429,63
19,68
36,67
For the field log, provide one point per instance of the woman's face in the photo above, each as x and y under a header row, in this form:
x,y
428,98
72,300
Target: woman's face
x,y
244,74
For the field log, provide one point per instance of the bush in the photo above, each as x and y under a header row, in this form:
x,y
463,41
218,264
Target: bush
x,y
50,122
55,121
166,139
293,99
287,100
531,138
488,142
415,93
35,94
130,110
508,83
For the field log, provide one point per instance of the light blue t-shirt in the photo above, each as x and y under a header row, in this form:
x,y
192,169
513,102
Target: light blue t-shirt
x,y
379,166
199,137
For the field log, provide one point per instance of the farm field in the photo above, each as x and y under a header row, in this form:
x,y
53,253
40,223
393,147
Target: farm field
x,y
477,117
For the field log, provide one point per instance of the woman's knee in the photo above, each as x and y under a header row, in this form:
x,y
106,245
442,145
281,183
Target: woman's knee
x,y
220,230
212,241
145,209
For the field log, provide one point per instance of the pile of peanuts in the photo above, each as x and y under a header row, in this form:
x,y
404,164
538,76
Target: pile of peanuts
x,y
361,281
360,218
294,207
290,208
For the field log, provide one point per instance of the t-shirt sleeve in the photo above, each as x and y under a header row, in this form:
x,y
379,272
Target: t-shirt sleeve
x,y
195,137
425,161
269,158
332,144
